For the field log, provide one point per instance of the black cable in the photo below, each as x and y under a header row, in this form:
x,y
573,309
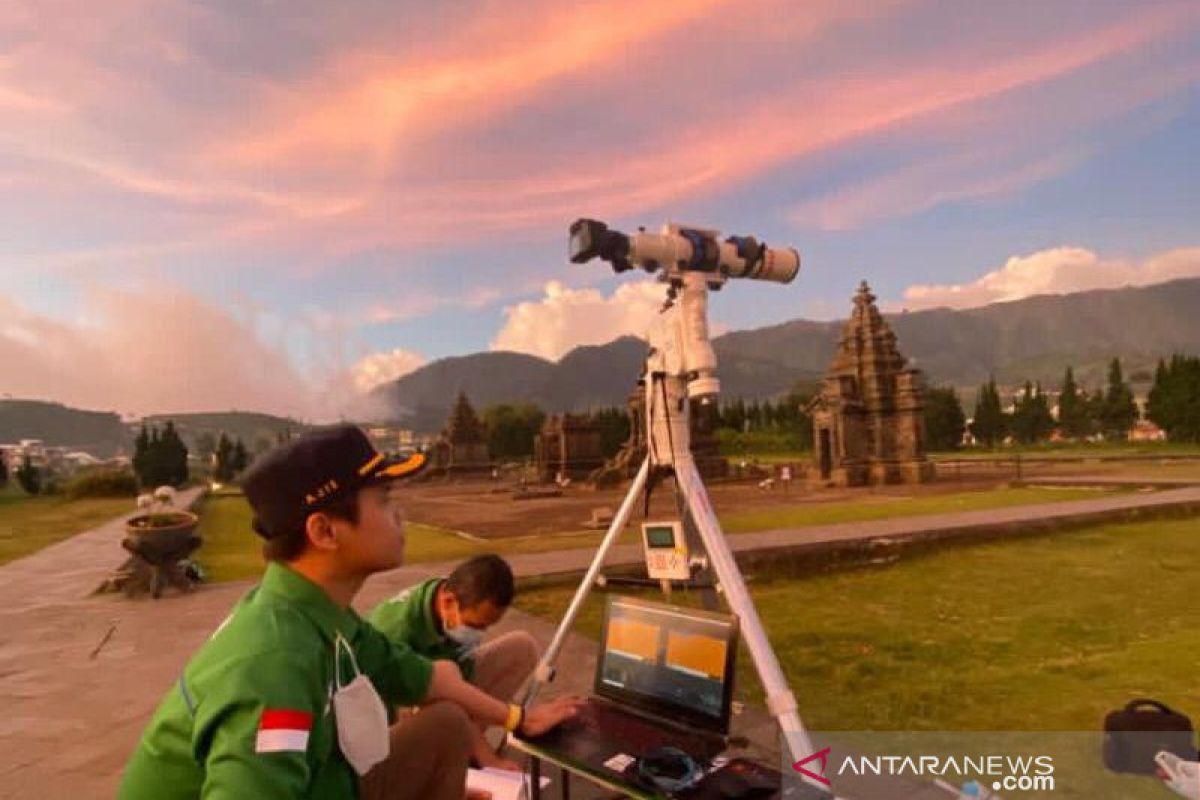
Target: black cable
x,y
671,444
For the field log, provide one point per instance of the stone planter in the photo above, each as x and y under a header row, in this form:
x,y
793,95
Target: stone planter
x,y
155,537
157,543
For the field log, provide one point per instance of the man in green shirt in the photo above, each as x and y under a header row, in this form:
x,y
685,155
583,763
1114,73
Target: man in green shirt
x,y
288,697
447,618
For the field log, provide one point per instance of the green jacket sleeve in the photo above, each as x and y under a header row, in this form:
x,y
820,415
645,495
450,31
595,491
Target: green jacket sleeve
x,y
272,692
400,674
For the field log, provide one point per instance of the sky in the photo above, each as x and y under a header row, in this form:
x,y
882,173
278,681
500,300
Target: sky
x,y
277,205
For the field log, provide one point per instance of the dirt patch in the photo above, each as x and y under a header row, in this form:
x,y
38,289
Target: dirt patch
x,y
489,510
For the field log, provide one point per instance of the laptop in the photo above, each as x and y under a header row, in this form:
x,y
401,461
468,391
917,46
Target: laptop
x,y
664,677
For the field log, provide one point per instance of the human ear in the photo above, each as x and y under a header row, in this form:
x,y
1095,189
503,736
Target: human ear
x,y
320,531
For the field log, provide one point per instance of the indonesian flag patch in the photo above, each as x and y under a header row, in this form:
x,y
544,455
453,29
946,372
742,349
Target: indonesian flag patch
x,y
282,730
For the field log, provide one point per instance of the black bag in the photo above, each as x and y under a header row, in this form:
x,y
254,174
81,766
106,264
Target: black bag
x,y
1133,735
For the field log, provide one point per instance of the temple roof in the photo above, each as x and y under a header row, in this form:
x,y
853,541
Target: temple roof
x,y
463,426
867,344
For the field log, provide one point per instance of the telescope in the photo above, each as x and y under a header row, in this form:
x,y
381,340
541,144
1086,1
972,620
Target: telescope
x,y
678,249
692,261
681,371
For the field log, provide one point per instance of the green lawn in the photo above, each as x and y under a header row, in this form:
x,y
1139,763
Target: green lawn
x,y
873,507
1037,634
1076,450
231,551
28,524
1069,450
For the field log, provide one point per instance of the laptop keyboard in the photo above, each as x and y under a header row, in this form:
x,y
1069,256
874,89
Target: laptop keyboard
x,y
634,735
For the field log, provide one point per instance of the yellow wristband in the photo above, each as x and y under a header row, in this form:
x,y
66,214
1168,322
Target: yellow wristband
x,y
514,718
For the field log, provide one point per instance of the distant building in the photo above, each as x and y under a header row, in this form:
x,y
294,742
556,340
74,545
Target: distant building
x,y
77,459
1146,431
35,449
61,460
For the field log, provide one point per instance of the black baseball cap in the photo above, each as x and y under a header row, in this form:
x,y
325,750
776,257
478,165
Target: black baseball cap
x,y
304,475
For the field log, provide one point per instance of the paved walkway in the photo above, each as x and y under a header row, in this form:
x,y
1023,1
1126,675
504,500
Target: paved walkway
x,y
80,675
1113,480
61,572
1014,521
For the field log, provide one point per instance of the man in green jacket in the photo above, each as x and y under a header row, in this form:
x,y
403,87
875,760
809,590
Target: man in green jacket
x,y
289,697
447,618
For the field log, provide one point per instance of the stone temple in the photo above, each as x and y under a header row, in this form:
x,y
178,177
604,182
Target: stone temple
x,y
868,425
462,446
568,445
702,438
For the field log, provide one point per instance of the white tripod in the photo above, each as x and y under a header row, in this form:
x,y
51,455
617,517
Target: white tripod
x,y
682,362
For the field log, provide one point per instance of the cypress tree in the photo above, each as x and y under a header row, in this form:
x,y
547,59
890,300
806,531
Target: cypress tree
x,y
1119,410
141,455
1072,416
989,425
29,477
240,460
223,466
944,419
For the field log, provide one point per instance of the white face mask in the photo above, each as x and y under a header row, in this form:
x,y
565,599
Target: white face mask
x,y
467,638
362,724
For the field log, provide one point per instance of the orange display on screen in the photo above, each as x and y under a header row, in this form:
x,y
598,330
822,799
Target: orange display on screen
x,y
701,654
633,637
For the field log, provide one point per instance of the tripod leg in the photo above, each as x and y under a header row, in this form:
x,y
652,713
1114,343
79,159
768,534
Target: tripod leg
x,y
545,668
780,700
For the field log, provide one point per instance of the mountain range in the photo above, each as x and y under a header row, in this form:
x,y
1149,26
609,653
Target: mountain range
x,y
104,434
1031,339
1034,338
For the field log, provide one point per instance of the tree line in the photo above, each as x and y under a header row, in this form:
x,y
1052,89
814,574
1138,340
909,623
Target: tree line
x,y
160,456
1174,402
512,427
1109,412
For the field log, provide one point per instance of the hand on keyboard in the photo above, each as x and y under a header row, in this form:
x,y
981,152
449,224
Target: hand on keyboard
x,y
544,716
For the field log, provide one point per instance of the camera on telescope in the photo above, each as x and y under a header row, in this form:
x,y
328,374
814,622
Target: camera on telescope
x,y
680,249
592,239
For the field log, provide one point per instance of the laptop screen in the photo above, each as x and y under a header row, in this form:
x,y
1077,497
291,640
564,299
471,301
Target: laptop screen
x,y
671,661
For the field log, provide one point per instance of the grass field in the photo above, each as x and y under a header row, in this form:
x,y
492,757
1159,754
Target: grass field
x,y
231,551
27,524
1065,450
1078,450
887,507
1038,634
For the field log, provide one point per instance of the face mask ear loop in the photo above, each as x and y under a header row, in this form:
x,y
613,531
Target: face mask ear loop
x,y
338,643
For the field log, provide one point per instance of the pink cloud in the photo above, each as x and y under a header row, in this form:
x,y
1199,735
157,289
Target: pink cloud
x,y
379,101
775,128
920,187
377,141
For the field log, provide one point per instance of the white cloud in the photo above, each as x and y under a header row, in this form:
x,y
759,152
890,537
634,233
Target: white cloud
x,y
1057,270
566,318
379,368
166,350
